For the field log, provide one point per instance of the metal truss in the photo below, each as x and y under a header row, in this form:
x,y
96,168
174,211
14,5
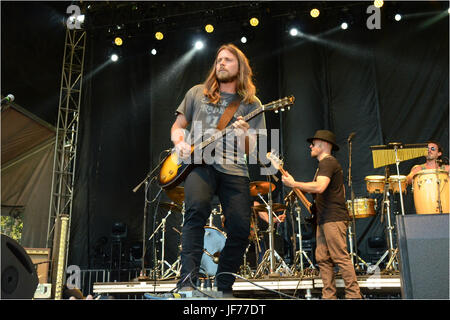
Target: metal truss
x,y
65,152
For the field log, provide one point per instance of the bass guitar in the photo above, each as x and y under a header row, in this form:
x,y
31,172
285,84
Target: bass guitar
x,y
174,170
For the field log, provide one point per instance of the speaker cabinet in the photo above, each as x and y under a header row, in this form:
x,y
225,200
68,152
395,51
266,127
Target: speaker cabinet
x,y
19,277
423,242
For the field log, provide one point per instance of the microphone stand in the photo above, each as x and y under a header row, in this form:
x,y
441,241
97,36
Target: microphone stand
x,y
142,275
352,227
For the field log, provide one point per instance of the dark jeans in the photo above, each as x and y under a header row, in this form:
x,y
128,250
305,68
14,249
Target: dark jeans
x,y
202,183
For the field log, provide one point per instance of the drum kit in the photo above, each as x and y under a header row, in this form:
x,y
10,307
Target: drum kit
x,y
215,237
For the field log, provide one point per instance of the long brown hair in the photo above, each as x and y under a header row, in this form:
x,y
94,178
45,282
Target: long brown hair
x,y
244,85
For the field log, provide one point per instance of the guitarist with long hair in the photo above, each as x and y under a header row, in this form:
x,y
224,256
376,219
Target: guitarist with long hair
x,y
332,217
222,171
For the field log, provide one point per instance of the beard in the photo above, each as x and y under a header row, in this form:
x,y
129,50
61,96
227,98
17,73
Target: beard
x,y
225,76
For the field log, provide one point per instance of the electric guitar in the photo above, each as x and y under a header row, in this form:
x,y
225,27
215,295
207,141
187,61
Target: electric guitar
x,y
174,170
278,164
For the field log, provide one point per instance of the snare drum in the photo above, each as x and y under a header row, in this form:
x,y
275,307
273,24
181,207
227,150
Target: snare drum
x,y
364,207
393,183
214,241
375,184
426,192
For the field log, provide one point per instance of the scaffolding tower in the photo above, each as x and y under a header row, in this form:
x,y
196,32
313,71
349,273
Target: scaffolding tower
x,y
60,210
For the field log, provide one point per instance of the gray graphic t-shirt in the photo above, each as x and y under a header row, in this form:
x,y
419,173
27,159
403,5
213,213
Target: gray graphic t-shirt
x,y
224,155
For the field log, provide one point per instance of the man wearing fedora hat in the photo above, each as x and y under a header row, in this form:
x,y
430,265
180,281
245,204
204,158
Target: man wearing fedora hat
x,y
332,217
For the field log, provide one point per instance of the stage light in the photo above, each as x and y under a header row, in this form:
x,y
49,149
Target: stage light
x,y
293,32
153,52
118,41
448,10
254,21
378,3
114,57
344,25
314,13
398,17
199,45
244,39
209,28
159,35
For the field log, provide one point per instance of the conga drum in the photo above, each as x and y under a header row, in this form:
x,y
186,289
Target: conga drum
x,y
425,189
375,184
393,183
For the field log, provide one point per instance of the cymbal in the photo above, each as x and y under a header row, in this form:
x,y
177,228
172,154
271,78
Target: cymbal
x,y
275,207
176,194
170,206
260,187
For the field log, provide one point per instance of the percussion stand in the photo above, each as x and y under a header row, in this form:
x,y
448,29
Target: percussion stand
x,y
300,253
392,253
397,162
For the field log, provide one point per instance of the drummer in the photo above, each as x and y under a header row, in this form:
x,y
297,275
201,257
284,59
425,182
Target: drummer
x,y
433,161
263,225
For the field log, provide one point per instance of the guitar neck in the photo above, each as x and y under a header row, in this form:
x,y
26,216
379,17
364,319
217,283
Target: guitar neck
x,y
299,194
220,133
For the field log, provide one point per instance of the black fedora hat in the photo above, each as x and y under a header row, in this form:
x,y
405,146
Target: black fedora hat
x,y
327,136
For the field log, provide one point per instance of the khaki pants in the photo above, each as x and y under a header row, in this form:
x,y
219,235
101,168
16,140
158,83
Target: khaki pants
x,y
331,249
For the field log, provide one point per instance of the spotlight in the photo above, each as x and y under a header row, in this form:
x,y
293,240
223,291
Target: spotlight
x,y
209,28
398,17
244,39
199,45
254,21
118,41
314,13
344,25
153,52
293,32
114,57
378,3
159,35
448,10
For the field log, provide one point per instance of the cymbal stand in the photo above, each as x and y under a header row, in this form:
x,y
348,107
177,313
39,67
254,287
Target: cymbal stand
x,y
175,268
300,253
392,264
162,225
271,255
270,231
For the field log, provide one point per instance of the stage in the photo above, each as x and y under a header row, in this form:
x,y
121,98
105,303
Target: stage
x,y
375,286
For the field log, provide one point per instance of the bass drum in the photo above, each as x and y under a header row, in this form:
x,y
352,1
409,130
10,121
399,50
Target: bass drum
x,y
425,189
214,241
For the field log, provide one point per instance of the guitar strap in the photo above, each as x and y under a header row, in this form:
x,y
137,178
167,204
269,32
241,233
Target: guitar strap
x,y
228,114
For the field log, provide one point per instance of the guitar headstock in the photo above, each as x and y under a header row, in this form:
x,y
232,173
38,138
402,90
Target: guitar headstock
x,y
274,159
280,104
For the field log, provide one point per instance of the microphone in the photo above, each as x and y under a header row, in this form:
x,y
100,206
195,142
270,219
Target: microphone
x,y
9,98
351,136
